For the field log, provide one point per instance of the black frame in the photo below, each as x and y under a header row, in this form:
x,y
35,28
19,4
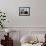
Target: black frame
x,y
24,14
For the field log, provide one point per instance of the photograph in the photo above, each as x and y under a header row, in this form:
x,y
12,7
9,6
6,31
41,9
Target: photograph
x,y
24,11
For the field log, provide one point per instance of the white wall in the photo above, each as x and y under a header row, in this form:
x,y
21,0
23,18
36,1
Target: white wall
x,y
36,19
35,22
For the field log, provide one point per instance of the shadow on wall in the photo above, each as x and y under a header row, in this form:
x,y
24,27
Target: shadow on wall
x,y
16,43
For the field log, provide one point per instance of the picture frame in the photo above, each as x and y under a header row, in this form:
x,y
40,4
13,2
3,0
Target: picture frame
x,y
24,11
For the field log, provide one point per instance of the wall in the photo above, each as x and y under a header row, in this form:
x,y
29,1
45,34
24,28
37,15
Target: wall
x,y
35,22
36,19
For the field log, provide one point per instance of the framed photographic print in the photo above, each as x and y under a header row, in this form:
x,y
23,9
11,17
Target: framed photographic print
x,y
24,11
